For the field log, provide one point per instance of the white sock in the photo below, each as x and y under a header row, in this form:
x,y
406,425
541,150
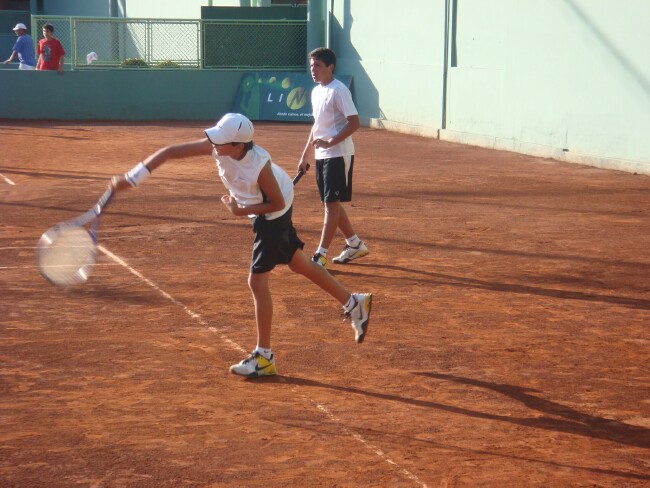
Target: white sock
x,y
351,304
353,241
322,251
264,352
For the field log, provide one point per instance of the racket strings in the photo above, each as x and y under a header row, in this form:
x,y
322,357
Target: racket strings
x,y
66,255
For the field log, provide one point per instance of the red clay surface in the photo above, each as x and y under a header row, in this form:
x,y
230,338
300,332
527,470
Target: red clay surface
x,y
508,346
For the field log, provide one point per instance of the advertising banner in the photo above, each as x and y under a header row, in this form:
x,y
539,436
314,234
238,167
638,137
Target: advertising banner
x,y
280,96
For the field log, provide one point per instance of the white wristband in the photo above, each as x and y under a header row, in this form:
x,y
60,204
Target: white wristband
x,y
137,174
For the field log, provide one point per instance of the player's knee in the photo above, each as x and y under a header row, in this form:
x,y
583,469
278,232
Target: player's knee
x,y
332,208
257,283
299,263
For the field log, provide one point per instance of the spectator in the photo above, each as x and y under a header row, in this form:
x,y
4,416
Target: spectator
x,y
51,54
24,48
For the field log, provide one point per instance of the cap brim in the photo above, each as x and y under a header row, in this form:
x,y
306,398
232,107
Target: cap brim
x,y
215,136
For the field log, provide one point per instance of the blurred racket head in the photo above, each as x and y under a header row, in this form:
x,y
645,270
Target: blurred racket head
x,y
66,255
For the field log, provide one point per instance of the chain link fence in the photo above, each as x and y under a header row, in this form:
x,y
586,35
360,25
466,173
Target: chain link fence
x,y
96,43
277,45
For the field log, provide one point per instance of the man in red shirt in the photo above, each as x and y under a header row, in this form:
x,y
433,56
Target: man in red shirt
x,y
51,54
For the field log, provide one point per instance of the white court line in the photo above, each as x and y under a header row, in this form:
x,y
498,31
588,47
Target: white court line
x,y
187,310
365,443
236,346
7,179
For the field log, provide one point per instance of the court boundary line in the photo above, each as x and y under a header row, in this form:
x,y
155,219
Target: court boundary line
x,y
319,406
7,180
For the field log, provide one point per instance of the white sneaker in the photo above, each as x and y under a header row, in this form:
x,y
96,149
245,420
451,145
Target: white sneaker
x,y
360,315
350,253
255,365
320,260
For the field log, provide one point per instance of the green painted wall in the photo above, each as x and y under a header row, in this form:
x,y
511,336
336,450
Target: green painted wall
x,y
86,8
562,78
395,54
118,95
567,79
180,9
165,9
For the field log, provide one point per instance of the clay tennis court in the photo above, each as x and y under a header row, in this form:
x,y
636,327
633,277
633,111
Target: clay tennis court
x,y
509,343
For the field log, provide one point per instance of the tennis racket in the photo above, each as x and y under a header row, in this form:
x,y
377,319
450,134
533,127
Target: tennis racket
x,y
300,174
66,252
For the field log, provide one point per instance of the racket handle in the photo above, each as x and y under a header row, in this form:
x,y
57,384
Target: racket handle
x,y
300,174
103,201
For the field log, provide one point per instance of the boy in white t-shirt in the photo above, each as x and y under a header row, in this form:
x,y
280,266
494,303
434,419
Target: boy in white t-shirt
x,y
263,191
335,120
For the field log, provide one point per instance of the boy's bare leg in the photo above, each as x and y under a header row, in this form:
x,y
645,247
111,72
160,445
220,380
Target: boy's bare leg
x,y
319,276
331,223
357,306
344,223
335,218
259,285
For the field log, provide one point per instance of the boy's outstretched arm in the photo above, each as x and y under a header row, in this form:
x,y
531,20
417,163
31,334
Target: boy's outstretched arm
x,y
199,147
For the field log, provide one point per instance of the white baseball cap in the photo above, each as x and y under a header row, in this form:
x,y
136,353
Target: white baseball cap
x,y
20,26
231,128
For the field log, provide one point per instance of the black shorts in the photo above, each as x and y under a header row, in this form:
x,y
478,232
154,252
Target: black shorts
x,y
334,179
276,241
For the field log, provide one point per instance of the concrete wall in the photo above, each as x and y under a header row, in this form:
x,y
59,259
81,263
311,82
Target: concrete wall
x,y
157,9
394,51
177,9
567,79
86,8
118,95
562,78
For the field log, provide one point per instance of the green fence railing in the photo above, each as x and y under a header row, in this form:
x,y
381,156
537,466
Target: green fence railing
x,y
102,42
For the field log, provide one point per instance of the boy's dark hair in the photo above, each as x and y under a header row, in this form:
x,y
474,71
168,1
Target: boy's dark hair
x,y
324,54
49,27
247,145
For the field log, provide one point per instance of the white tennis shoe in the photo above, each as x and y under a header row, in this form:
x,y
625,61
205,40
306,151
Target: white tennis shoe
x,y
320,260
255,365
350,253
360,315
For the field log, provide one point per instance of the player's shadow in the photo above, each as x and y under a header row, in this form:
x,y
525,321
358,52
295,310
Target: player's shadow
x,y
440,279
571,422
445,445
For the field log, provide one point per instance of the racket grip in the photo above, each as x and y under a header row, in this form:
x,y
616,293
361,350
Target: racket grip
x,y
300,174
103,201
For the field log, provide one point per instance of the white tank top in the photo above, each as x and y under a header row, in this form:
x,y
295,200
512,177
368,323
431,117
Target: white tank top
x,y
240,178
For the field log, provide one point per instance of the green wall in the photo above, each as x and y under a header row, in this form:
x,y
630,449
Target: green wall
x,y
165,9
118,94
567,79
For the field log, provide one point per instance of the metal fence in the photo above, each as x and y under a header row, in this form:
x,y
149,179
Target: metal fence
x,y
181,44
268,44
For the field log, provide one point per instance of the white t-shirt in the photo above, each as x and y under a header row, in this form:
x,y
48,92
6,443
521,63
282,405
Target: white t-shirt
x,y
332,105
240,178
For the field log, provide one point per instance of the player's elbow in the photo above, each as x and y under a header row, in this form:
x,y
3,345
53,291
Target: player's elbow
x,y
277,204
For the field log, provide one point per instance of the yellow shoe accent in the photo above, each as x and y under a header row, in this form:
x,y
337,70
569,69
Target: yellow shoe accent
x,y
255,365
320,260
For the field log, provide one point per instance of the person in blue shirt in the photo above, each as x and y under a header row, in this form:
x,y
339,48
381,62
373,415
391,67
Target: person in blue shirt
x,y
23,48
